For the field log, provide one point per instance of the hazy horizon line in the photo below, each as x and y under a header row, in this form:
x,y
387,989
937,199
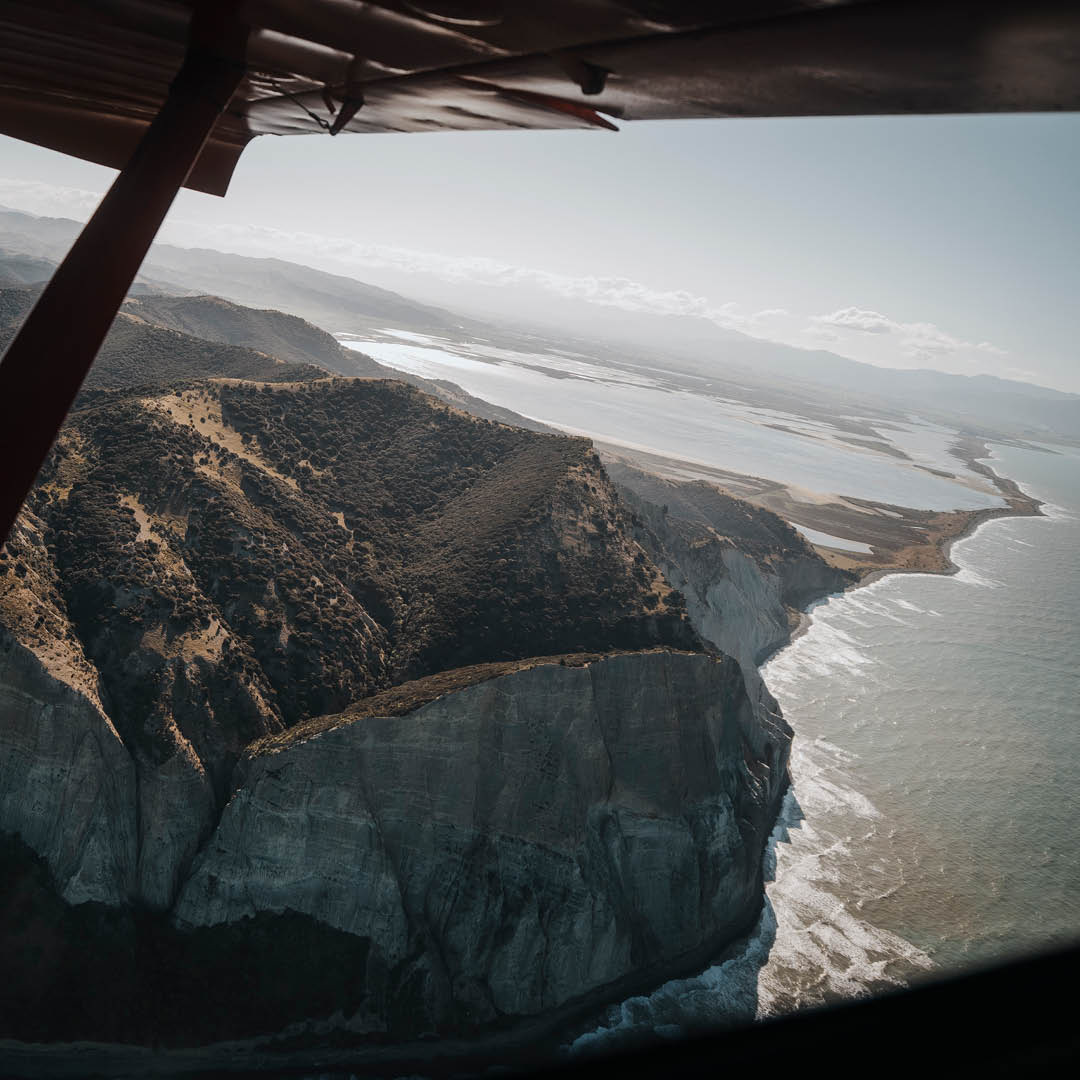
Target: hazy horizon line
x,y
921,341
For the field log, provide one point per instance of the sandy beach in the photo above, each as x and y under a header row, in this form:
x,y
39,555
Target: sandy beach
x,y
901,539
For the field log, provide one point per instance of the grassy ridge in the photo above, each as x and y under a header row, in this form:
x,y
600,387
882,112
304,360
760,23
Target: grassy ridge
x,y
233,558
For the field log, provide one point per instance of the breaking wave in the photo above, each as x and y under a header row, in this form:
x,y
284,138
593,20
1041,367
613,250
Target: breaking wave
x,y
810,945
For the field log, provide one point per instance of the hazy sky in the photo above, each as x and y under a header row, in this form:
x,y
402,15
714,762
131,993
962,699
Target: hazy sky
x,y
949,242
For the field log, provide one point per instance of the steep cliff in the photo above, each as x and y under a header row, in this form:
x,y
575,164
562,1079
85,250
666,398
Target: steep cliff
x,y
744,572
222,560
67,782
516,844
273,728
547,834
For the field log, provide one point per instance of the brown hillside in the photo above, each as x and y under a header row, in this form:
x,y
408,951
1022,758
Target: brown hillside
x,y
284,337
140,353
229,558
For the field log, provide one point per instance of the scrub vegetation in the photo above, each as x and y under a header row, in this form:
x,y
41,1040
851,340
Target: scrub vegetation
x,y
230,557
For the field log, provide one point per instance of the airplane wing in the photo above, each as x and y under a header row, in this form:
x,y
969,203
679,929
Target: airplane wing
x,y
171,91
87,77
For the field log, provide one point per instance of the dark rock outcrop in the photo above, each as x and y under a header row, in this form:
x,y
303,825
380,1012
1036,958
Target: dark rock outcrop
x,y
532,841
209,574
518,844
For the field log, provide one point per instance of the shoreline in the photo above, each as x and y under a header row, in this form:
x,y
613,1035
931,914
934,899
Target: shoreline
x,y
1019,504
948,952
901,538
953,526
894,552
972,451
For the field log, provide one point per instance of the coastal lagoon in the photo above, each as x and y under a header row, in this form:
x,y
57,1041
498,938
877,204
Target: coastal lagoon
x,y
651,411
931,824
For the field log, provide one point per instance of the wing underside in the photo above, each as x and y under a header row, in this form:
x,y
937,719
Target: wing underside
x,y
86,78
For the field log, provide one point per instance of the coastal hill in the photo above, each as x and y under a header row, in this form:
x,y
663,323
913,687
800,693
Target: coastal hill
x,y
158,339
215,562
306,543
285,337
31,246
141,352
292,340
293,657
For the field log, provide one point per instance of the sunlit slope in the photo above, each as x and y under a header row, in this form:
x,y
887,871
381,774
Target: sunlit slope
x,y
233,557
139,352
290,339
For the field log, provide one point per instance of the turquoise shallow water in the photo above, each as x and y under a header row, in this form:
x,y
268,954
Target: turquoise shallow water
x,y
934,814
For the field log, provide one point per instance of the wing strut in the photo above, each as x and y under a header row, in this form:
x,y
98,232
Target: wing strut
x,y
46,363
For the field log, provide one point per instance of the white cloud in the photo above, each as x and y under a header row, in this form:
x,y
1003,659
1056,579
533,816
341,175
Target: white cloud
x,y
921,341
354,257
350,256
821,333
48,200
859,333
852,318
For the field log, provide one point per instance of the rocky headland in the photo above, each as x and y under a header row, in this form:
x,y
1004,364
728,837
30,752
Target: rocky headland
x,y
325,705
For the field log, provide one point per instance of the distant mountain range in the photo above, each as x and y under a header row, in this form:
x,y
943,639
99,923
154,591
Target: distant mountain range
x,y
31,246
737,365
164,339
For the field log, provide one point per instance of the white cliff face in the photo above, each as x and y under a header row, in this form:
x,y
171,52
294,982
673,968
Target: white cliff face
x,y
67,784
742,602
521,842
112,829
546,837
732,602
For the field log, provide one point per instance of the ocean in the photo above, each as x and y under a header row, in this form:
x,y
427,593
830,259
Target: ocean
x,y
933,816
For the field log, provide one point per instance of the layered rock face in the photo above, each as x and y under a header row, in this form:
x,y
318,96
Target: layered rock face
x,y
520,843
744,572
67,783
207,575
548,837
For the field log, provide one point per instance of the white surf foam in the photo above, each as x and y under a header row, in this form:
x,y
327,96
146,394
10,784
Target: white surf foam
x,y
967,576
907,605
810,944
